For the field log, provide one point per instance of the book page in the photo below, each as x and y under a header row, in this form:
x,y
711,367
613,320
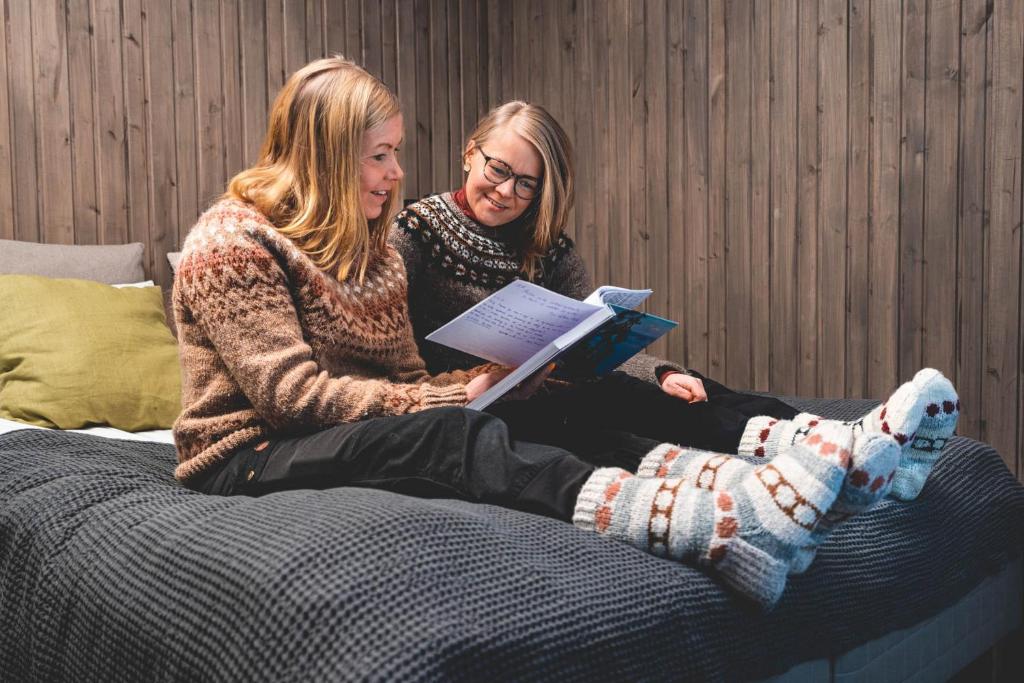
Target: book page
x,y
619,296
513,324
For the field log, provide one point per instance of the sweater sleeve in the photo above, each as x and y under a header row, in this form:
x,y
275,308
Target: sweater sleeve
x,y
242,303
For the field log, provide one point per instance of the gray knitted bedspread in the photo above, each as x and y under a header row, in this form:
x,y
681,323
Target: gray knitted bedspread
x,y
111,571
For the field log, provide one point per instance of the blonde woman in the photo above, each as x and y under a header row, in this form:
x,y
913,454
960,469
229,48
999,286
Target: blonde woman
x,y
508,222
300,367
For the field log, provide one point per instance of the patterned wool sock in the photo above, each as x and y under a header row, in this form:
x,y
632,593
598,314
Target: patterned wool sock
x,y
940,411
899,416
871,474
747,534
764,437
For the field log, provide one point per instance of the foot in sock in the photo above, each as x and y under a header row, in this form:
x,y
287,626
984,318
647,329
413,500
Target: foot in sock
x,y
871,475
899,416
747,533
874,458
940,410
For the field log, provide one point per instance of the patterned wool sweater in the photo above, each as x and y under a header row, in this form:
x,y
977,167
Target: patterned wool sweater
x,y
270,344
453,262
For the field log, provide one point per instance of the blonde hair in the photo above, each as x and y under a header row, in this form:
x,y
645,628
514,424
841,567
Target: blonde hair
x,y
548,214
307,178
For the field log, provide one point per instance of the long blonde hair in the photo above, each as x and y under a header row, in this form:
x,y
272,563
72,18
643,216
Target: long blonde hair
x,y
307,178
548,215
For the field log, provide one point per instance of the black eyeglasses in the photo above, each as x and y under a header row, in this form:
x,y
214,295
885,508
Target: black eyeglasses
x,y
497,171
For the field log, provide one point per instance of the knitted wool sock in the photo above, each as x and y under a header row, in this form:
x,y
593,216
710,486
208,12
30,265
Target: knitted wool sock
x,y
872,470
763,436
940,411
747,534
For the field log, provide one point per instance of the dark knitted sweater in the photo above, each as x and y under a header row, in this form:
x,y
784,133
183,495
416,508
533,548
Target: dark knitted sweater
x,y
453,262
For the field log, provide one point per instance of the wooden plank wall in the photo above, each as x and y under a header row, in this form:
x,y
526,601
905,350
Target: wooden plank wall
x,y
827,193
123,119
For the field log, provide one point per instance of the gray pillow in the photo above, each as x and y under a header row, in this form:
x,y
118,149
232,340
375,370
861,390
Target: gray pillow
x,y
112,264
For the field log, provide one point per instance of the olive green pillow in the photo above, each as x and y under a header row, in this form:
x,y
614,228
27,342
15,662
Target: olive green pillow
x,y
75,354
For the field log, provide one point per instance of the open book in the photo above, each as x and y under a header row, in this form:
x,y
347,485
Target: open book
x,y
526,327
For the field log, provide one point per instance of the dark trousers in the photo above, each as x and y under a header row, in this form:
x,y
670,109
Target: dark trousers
x,y
583,416
532,455
444,452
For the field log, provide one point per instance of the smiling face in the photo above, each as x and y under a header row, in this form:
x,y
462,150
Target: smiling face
x,y
497,205
379,171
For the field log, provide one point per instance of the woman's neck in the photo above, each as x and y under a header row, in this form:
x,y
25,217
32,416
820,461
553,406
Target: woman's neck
x,y
460,200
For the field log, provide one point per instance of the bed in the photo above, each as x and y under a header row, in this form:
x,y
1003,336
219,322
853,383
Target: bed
x,y
112,571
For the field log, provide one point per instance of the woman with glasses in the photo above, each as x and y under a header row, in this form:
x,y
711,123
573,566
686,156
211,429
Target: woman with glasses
x,y
507,222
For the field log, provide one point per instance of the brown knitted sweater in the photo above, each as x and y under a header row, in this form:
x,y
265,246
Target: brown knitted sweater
x,y
454,262
270,344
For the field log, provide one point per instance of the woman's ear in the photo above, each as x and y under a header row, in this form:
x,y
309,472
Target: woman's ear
x,y
470,146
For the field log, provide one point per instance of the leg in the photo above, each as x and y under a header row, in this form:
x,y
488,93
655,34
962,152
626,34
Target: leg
x,y
621,402
747,533
544,419
445,452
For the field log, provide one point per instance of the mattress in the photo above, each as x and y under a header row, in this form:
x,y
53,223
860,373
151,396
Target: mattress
x,y
110,570
154,436
934,649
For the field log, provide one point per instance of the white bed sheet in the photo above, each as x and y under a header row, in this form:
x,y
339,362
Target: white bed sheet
x,y
157,435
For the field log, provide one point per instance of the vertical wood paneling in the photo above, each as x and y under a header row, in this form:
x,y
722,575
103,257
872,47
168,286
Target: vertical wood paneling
x,y
604,173
83,124
938,310
859,198
424,86
783,134
826,194
675,148
832,199
21,82
210,99
636,166
137,158
619,135
162,176
760,194
737,228
293,18
884,226
807,191
912,168
656,233
253,77
971,211
231,75
694,171
716,131
189,205
110,110
583,107
53,115
999,386
6,170
407,97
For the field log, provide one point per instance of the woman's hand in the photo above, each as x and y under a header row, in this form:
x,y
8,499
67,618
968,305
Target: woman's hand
x,y
686,387
482,383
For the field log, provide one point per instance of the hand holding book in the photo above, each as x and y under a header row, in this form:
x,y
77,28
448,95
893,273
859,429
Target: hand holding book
x,y
528,327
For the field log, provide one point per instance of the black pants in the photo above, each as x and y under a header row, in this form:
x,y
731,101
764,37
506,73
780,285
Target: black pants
x,y
581,417
530,455
444,452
